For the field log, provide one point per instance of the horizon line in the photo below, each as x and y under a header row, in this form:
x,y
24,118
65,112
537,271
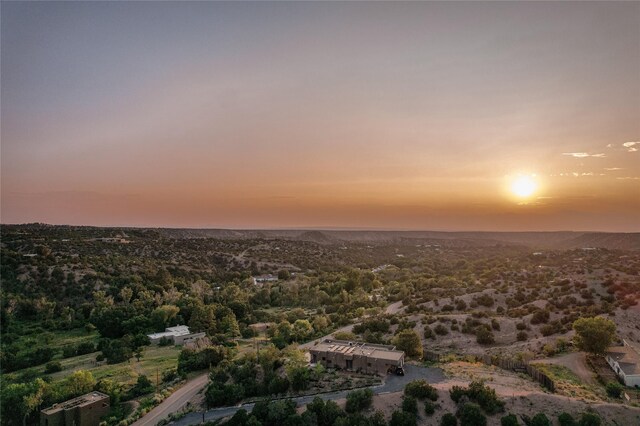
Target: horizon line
x,y
317,228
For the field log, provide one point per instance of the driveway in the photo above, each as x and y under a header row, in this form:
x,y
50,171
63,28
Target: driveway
x,y
175,402
392,384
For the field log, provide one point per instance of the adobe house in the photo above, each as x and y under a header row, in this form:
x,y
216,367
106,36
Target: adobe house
x,y
85,410
356,356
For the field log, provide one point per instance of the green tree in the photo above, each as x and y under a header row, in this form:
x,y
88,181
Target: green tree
x,y
79,382
409,342
302,329
111,388
143,386
33,400
162,316
594,335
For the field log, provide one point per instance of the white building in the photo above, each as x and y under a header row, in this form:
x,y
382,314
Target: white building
x,y
179,335
625,361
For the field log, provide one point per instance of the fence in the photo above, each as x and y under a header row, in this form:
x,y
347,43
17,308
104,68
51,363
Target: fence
x,y
505,364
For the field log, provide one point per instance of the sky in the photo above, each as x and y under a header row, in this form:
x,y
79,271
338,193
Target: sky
x,y
322,115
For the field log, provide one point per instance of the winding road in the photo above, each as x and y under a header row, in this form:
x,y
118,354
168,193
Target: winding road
x,y
392,384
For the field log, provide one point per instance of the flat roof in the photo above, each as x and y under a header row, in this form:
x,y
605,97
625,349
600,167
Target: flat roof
x,y
76,402
178,330
386,352
626,357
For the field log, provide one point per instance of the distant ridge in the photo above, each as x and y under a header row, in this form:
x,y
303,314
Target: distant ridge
x,y
539,240
548,240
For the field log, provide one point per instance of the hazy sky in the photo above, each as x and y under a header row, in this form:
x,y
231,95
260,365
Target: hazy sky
x,y
368,115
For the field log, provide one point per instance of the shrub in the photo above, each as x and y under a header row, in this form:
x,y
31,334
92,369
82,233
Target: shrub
x,y
477,392
614,389
484,335
143,386
449,420
402,418
509,420
165,341
359,400
456,393
428,333
589,419
430,408
495,324
470,414
540,316
441,330
521,326
421,389
85,348
68,351
409,405
539,419
549,329
566,419
522,336
52,367
169,375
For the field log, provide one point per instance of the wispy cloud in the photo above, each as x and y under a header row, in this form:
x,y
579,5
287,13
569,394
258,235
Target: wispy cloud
x,y
631,146
613,169
629,178
577,174
583,154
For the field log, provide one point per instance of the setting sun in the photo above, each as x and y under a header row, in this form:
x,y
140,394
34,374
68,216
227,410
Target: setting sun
x,y
524,186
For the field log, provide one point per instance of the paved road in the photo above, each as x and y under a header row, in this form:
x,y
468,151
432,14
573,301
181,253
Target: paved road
x,y
392,384
175,402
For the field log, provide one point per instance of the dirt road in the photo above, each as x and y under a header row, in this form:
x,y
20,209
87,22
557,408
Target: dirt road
x,y
394,308
175,402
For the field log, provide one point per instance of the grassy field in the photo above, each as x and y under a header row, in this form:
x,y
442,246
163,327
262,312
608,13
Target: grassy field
x,y
155,359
